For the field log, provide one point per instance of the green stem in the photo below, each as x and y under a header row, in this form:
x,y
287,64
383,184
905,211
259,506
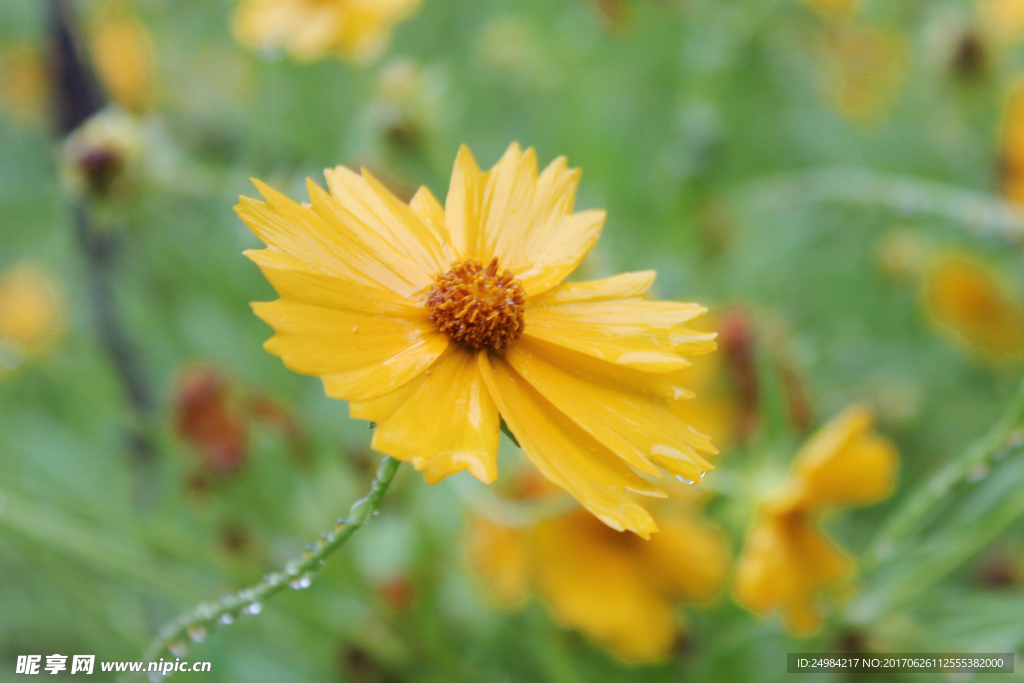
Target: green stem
x,y
980,212
195,624
921,506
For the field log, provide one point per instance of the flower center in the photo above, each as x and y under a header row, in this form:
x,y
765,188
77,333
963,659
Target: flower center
x,y
477,306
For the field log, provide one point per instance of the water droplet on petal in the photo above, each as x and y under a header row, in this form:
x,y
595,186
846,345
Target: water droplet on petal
x,y
684,479
302,582
197,633
227,619
254,608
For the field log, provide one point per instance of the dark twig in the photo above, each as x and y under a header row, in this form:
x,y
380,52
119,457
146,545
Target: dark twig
x,y
76,99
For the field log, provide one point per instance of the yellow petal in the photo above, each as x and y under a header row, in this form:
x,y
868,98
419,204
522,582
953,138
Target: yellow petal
x,y
380,408
687,559
430,211
566,454
632,425
593,582
463,209
123,56
296,281
667,386
358,356
500,558
508,200
556,259
380,216
383,246
844,463
302,234
524,220
787,561
522,236
623,286
448,422
646,335
969,301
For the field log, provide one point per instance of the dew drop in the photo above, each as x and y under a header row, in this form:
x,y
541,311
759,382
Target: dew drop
x,y
292,568
197,634
1015,439
178,649
227,619
302,582
154,676
254,609
684,479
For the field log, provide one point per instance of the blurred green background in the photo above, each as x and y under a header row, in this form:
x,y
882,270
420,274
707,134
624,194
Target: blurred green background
x,y
794,162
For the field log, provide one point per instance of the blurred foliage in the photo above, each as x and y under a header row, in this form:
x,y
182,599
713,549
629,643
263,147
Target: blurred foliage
x,y
719,136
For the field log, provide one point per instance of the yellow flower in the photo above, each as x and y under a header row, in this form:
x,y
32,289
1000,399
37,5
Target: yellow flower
x,y
432,320
835,7
311,29
863,69
30,312
966,299
1002,19
619,590
25,83
1013,147
122,53
787,560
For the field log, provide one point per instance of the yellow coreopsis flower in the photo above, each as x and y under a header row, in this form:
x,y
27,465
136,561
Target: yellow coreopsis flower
x,y
967,300
619,590
1013,147
122,52
311,29
863,69
25,83
31,313
787,560
437,322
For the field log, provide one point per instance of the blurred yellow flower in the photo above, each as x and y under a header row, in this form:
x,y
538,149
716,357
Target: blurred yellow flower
x,y
1002,19
122,53
863,69
787,560
434,320
31,313
25,84
835,7
312,29
968,300
619,590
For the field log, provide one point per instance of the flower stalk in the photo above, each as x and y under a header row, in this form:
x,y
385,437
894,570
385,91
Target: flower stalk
x,y
195,624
